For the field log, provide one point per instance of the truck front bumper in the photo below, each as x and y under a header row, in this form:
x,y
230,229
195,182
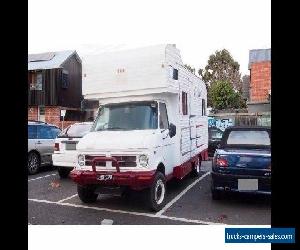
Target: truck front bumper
x,y
132,179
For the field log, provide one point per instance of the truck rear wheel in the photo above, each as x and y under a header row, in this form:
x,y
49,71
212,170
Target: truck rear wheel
x,y
87,193
196,168
156,195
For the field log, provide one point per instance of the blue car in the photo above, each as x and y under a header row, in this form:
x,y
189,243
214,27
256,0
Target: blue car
x,y
242,162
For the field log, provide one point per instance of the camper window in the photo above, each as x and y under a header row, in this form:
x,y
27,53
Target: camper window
x,y
184,103
163,116
175,74
203,107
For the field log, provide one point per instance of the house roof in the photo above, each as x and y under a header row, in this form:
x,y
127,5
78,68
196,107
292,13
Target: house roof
x,y
259,55
50,60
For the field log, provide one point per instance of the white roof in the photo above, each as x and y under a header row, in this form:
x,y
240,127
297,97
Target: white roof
x,y
120,71
49,60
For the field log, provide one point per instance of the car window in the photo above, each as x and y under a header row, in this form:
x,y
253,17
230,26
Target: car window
x,y
44,132
216,134
55,131
78,130
249,137
32,132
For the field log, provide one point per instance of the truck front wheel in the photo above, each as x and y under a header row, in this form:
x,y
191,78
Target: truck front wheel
x,y
156,195
87,193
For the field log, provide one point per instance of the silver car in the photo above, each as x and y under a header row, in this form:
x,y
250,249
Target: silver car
x,y
41,137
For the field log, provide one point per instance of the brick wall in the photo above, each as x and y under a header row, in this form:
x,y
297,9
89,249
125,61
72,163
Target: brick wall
x,y
260,81
32,113
52,116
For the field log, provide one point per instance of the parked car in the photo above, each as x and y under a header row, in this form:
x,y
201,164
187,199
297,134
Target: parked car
x,y
65,157
214,139
41,138
242,163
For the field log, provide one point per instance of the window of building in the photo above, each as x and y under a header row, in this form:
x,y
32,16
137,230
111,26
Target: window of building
x,y
41,113
184,103
65,79
203,107
36,80
163,116
73,115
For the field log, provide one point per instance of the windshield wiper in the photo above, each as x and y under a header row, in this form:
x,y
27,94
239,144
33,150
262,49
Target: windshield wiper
x,y
115,128
111,128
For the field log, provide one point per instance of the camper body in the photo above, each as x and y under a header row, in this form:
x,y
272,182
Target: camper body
x,y
151,124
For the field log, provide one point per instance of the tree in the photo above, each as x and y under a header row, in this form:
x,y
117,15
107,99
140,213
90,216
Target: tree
x,y
223,96
221,67
190,68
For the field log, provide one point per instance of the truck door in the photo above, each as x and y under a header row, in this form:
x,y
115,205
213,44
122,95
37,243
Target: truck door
x,y
168,143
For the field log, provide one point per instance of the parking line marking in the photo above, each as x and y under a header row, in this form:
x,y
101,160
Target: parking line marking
x,y
68,198
159,213
128,212
41,177
107,222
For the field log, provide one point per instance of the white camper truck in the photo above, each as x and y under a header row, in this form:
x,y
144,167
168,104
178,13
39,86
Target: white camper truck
x,y
151,124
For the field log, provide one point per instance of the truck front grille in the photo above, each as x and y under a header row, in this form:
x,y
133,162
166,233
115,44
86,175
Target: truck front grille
x,y
124,160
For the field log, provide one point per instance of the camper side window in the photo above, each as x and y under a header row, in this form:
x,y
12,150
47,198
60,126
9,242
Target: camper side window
x,y
163,116
184,103
203,107
175,74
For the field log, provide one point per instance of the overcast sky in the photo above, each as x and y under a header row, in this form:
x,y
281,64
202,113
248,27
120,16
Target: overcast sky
x,y
197,27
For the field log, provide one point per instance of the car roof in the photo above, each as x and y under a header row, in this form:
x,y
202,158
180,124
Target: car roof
x,y
83,123
248,128
37,123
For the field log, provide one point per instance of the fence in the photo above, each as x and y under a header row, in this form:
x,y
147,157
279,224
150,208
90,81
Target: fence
x,y
224,120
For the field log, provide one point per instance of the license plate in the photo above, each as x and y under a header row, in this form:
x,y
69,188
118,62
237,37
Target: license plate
x,y
247,184
245,159
104,177
70,146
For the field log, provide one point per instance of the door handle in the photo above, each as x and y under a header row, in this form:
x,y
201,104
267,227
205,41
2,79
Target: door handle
x,y
38,142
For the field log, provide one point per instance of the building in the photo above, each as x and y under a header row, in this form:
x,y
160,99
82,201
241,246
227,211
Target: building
x,y
260,80
55,84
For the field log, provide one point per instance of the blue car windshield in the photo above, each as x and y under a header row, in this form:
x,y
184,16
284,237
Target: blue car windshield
x,y
127,116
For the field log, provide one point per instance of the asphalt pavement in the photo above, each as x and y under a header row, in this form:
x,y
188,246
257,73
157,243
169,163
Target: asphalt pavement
x,y
54,201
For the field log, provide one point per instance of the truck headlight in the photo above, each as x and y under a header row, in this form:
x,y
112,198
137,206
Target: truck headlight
x,y
81,160
143,160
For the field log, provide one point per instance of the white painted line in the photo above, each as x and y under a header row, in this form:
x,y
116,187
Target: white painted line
x,y
159,213
107,222
128,212
41,177
68,198
189,220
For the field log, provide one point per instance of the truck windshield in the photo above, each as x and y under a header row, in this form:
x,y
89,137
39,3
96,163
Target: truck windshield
x,y
127,116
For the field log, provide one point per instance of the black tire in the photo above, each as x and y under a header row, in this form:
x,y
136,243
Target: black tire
x,y
156,194
216,194
196,169
63,172
34,163
87,193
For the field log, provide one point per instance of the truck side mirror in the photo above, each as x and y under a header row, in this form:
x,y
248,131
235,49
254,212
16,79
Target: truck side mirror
x,y
172,130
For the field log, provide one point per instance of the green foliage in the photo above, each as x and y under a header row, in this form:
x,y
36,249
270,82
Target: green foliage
x,y
190,68
223,96
221,67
